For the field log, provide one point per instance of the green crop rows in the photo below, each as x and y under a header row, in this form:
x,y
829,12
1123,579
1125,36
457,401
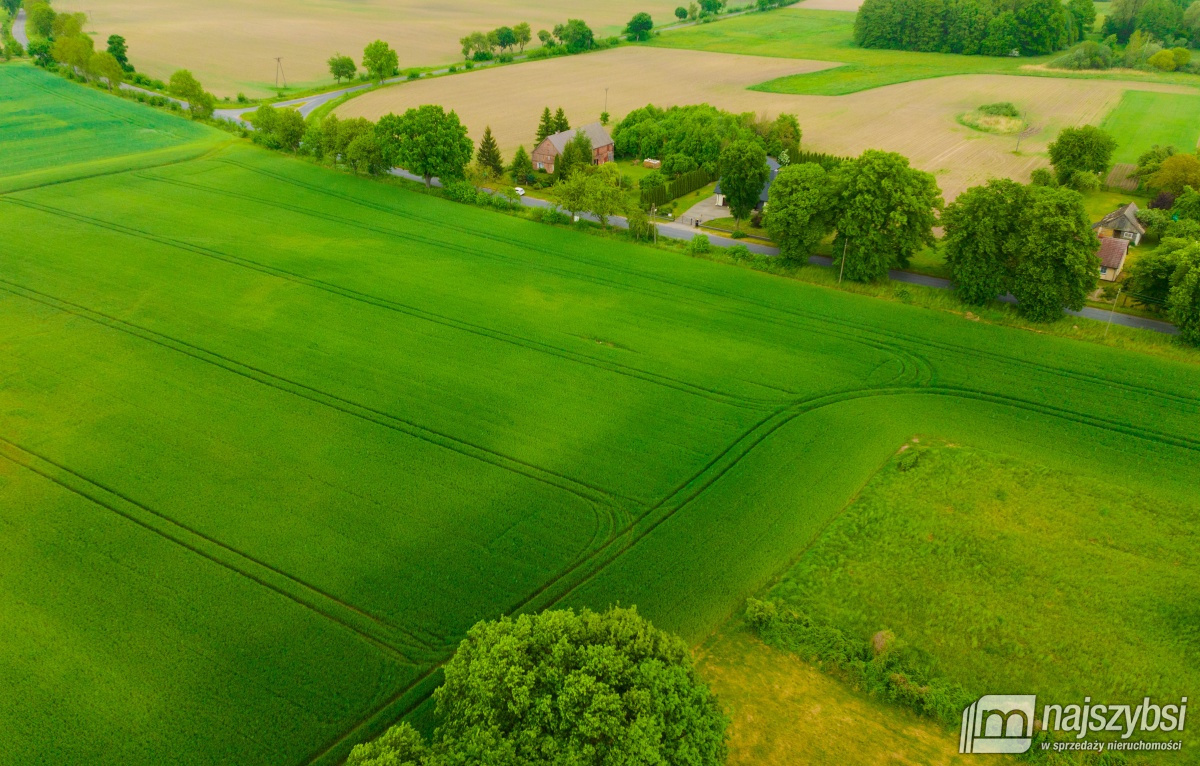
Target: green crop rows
x,y
274,437
1144,119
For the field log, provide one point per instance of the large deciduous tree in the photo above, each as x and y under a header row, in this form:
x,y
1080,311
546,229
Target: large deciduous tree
x,y
744,172
639,27
559,687
380,60
983,227
885,212
119,50
106,67
524,34
185,86
1057,264
798,214
1175,173
427,141
1085,148
1183,301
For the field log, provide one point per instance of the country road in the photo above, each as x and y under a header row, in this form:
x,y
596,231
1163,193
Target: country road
x,y
678,231
18,29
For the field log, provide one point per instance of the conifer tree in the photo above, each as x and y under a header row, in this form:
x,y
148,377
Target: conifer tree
x,y
489,154
545,127
560,121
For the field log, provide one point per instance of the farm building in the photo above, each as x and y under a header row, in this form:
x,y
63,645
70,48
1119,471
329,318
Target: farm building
x,y
548,150
1122,223
762,198
1112,254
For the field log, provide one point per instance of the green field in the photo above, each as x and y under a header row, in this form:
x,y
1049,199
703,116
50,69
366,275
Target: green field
x,y
274,437
1063,583
828,36
1144,119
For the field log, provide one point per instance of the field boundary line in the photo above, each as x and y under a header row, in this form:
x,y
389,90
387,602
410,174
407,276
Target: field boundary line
x,y
588,493
378,632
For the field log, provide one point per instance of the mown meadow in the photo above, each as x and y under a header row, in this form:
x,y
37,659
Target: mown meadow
x,y
274,437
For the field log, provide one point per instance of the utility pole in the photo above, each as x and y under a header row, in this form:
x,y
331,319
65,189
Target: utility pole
x,y
1114,311
1024,129
843,269
279,72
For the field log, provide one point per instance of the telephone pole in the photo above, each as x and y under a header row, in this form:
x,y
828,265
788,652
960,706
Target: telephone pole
x,y
279,72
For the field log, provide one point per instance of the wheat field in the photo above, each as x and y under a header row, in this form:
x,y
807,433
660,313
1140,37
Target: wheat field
x,y
917,118
231,46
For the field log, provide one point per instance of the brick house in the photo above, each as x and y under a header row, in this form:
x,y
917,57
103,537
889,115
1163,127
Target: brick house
x,y
603,149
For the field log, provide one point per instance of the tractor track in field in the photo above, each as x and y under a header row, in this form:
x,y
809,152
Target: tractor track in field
x,y
381,633
853,330
411,311
589,493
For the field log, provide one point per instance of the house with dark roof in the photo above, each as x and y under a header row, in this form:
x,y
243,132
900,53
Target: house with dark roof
x,y
762,198
1112,252
1122,223
603,149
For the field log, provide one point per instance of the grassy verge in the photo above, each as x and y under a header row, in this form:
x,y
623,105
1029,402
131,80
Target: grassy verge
x,y
827,36
784,711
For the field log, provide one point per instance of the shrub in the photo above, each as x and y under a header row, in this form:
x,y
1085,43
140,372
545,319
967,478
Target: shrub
x,y
652,180
640,228
1162,201
698,244
677,164
1000,109
1087,55
1183,57
739,252
1164,61
462,191
1084,181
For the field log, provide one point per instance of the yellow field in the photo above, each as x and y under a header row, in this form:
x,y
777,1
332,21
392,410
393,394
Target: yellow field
x,y
917,119
231,45
784,711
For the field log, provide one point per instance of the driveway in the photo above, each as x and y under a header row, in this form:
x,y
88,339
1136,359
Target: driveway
x,y
704,210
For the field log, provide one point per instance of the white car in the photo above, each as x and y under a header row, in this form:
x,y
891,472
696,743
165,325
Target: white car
x,y
520,192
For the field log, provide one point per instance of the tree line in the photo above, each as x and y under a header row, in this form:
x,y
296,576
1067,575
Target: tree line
x,y
988,27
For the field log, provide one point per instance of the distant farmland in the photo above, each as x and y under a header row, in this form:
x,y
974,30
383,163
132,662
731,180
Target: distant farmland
x,y
272,437
917,118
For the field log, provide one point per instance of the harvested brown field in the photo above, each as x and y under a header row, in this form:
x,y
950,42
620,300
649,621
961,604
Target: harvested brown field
x,y
231,45
917,119
831,5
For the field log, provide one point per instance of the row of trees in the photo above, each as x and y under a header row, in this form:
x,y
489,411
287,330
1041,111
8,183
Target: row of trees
x,y
989,27
482,46
379,62
689,137
572,688
58,38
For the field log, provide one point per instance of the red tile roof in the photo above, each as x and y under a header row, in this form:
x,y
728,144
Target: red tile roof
x,y
1112,252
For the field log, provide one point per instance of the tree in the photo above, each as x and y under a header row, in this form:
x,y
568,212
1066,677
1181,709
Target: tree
x,y
1042,26
427,141
1161,19
488,155
364,154
574,192
1084,12
505,37
710,7
1151,160
576,35
884,213
105,65
39,20
289,129
744,172
75,52
798,215
605,197
41,51
476,43
522,167
588,688
983,227
185,86
119,50
545,127
68,25
1083,148
1175,173
577,155
1057,265
380,60
1148,278
681,13
693,11
342,67
545,38
639,27
1183,302
524,34
560,121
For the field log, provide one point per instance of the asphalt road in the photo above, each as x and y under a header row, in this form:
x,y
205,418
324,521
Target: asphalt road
x,y
18,29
